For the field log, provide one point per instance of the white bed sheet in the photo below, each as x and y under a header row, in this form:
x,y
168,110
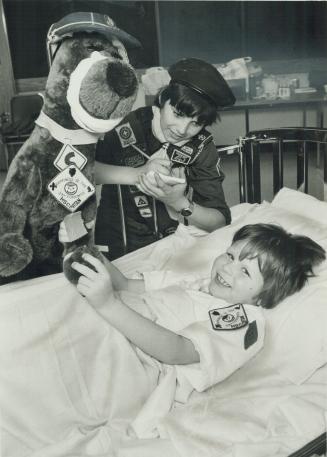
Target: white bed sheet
x,y
60,383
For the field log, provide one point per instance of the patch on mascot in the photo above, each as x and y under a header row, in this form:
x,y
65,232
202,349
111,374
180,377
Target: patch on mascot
x,y
229,318
69,155
126,135
71,188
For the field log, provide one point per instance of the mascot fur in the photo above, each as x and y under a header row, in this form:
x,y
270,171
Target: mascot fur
x,y
90,87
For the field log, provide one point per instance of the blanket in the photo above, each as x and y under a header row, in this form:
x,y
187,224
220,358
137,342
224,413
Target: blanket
x,y
61,393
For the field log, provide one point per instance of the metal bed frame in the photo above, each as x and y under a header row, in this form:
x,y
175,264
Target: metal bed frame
x,y
307,141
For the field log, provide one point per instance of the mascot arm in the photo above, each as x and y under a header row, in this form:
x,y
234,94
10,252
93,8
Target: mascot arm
x,y
17,201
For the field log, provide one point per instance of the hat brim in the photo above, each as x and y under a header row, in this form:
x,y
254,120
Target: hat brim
x,y
59,31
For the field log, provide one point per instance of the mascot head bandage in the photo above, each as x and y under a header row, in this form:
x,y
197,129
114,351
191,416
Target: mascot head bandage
x,y
79,114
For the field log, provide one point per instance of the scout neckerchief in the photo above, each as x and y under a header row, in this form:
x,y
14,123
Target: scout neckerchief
x,y
133,142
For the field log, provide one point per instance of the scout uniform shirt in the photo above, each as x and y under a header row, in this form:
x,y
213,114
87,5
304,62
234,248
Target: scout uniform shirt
x,y
203,174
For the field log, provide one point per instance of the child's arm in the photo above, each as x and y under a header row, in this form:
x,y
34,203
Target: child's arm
x,y
160,343
121,282
114,174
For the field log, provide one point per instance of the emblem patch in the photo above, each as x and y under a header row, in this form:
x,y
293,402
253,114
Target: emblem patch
x,y
126,135
180,157
134,161
68,155
229,318
145,212
187,149
141,201
133,189
71,188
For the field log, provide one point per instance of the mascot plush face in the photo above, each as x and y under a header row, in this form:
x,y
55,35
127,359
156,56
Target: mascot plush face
x,y
107,88
90,87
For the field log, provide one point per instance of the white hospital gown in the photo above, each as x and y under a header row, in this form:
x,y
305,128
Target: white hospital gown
x,y
184,309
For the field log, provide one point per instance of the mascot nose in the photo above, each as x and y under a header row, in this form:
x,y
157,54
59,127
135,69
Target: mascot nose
x,y
121,78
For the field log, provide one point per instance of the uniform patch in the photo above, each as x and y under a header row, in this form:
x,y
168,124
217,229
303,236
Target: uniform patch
x,y
187,149
134,161
71,188
180,157
141,201
251,335
134,189
229,318
145,212
68,155
125,134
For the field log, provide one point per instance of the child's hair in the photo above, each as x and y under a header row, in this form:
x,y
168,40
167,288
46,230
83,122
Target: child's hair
x,y
188,102
285,260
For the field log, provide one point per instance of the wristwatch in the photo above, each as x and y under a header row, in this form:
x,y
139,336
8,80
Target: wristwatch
x,y
188,211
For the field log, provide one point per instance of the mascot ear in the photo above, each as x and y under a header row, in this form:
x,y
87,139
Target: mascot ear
x,y
77,256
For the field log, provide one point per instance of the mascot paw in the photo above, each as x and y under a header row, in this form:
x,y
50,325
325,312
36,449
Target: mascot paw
x,y
77,256
15,254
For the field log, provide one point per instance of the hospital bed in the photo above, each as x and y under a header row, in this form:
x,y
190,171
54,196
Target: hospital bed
x,y
61,392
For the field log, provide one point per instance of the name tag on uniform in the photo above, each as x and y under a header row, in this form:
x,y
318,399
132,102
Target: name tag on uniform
x,y
69,155
229,318
71,188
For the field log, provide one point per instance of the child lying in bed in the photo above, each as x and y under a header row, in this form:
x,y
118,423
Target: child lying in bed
x,y
210,330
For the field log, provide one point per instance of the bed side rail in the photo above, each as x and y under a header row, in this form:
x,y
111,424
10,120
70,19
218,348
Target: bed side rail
x,y
249,149
314,447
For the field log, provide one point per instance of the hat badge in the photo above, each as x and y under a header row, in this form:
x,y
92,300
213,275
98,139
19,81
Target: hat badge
x,y
109,21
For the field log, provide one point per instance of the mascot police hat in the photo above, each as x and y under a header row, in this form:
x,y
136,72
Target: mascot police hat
x,y
203,78
86,22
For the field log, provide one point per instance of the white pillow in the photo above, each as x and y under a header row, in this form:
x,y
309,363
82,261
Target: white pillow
x,y
300,203
199,255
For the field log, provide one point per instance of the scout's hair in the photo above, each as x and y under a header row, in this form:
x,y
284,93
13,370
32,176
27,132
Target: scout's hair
x,y
188,103
285,260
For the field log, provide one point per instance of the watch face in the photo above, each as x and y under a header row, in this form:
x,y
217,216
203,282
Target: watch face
x,y
186,212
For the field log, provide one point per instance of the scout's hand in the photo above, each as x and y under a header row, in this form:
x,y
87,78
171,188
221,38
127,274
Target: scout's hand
x,y
172,195
94,284
157,165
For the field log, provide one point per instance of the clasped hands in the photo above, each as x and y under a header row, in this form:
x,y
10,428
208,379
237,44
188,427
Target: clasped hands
x,y
171,194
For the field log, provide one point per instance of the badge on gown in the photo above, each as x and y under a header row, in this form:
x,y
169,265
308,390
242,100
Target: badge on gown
x,y
229,318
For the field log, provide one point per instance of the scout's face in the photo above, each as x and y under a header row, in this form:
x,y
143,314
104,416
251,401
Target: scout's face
x,y
176,126
235,280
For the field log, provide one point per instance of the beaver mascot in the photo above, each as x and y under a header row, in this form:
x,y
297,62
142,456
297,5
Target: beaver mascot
x,y
91,86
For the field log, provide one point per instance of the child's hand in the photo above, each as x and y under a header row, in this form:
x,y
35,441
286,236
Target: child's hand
x,y
96,285
158,165
172,195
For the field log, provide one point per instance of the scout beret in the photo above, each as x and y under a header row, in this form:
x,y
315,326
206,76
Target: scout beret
x,y
89,22
203,78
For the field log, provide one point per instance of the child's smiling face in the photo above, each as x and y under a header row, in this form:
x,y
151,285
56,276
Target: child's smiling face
x,y
235,280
